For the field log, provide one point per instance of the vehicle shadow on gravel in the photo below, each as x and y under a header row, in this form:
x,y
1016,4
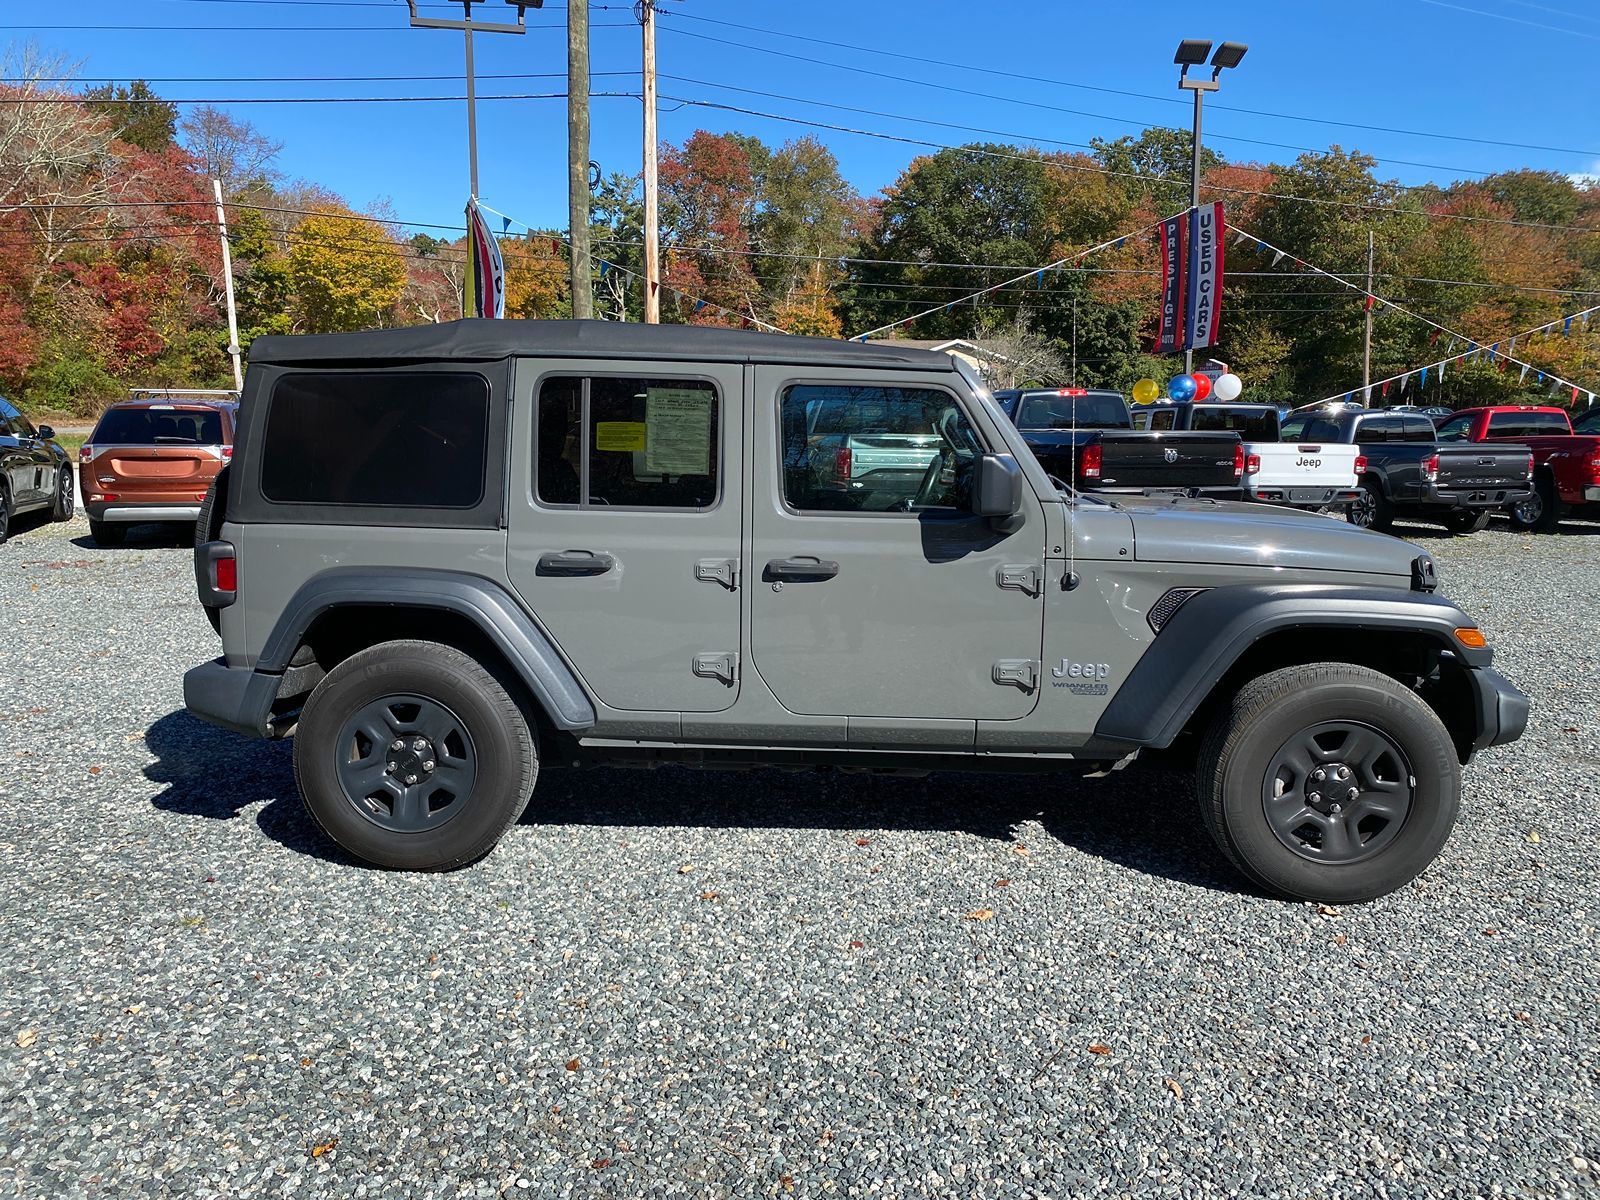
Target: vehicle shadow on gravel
x,y
1143,818
143,537
214,774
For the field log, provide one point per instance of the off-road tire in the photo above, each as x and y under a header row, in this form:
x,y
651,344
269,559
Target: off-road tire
x,y
506,761
65,503
1467,520
1542,513
107,533
1262,719
208,528
1372,509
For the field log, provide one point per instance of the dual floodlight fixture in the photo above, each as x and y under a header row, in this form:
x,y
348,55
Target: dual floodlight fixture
x,y
1192,52
420,22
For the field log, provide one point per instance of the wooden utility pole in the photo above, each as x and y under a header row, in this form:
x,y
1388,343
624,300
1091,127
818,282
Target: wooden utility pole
x,y
227,283
578,157
652,192
1366,344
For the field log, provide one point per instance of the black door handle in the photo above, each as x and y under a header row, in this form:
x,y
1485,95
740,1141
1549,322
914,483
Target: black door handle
x,y
800,570
574,562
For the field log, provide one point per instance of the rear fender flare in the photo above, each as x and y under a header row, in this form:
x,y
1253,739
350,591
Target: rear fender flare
x,y
483,602
1203,640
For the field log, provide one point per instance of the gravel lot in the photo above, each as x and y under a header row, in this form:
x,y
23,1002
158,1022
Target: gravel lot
x,y
769,984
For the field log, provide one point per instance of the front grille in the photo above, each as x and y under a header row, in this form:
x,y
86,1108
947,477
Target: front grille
x,y
1170,602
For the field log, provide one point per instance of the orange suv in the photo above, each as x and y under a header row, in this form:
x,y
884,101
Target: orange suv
x,y
152,458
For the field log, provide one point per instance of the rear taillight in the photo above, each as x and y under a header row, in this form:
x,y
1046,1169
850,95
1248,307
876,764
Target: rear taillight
x,y
1091,462
1594,469
843,460
85,453
1252,464
1430,469
1361,464
227,452
1238,462
226,571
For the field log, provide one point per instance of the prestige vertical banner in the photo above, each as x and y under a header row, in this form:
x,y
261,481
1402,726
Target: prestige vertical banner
x,y
1169,328
1205,276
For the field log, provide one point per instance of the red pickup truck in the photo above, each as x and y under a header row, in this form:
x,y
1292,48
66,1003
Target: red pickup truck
x,y
1566,466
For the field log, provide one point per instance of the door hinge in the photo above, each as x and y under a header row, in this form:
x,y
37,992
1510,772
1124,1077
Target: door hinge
x,y
718,570
1024,577
717,664
1017,672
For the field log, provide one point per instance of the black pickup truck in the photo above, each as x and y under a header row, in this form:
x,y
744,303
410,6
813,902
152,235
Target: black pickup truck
x,y
1085,437
1409,473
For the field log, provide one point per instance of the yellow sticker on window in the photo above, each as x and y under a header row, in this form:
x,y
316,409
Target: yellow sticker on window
x,y
619,435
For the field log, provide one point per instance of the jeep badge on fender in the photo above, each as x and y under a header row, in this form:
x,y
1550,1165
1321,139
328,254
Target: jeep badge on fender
x,y
448,558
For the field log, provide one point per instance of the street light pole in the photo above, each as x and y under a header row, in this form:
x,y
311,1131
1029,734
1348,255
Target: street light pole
x,y
467,25
1192,52
652,195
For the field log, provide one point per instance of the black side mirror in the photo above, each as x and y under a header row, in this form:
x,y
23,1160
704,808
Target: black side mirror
x,y
997,490
46,433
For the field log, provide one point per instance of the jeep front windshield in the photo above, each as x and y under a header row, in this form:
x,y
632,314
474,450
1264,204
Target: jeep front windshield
x,y
1053,411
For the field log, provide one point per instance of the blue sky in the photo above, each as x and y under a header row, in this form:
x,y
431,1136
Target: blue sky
x,y
1515,71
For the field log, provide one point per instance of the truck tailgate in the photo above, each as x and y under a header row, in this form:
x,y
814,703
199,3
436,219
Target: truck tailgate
x,y
1169,460
1303,465
1482,466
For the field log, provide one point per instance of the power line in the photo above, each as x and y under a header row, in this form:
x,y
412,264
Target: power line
x,y
1039,160
1039,76
265,28
319,99
1515,20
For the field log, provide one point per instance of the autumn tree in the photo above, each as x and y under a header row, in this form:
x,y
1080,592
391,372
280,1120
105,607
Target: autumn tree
x,y
347,273
232,150
136,114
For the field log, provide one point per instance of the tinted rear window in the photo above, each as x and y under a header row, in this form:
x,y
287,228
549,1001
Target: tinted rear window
x,y
159,427
1307,428
1251,424
1051,411
379,438
1526,424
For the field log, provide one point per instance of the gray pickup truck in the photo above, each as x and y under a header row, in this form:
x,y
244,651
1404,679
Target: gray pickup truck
x,y
445,558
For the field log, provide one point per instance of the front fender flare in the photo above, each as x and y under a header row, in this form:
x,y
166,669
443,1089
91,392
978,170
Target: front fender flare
x,y
1201,641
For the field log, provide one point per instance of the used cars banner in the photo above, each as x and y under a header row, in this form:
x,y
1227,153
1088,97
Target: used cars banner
x,y
1205,276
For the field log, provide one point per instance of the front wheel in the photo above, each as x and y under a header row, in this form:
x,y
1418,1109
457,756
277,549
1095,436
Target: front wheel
x,y
1466,520
412,755
65,503
1328,782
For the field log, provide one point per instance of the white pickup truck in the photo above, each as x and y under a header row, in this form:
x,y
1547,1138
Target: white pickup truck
x,y
1302,475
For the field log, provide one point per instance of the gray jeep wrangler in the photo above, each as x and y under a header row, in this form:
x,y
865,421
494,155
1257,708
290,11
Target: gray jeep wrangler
x,y
445,555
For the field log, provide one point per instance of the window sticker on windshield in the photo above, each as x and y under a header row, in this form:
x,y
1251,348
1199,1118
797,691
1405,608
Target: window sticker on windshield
x,y
619,435
678,431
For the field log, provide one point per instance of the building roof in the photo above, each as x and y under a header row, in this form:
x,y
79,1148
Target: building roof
x,y
485,340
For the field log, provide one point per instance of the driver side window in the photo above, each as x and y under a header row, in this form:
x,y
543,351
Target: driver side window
x,y
875,449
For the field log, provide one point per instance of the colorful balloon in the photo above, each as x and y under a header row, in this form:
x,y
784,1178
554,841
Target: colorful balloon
x,y
1145,391
1202,386
1228,387
1181,387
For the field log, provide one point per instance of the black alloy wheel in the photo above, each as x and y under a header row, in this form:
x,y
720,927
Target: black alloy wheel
x,y
1370,509
1539,511
414,755
5,514
406,763
66,501
1467,520
1338,792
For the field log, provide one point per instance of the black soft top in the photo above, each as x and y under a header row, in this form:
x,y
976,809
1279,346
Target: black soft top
x,y
476,339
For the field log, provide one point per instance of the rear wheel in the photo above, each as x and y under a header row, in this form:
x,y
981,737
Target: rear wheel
x,y
66,502
411,755
1466,521
1539,512
1371,508
107,533
5,513
1328,782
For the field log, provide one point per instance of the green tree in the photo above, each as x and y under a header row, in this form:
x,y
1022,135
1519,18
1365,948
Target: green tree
x,y
137,115
1157,154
